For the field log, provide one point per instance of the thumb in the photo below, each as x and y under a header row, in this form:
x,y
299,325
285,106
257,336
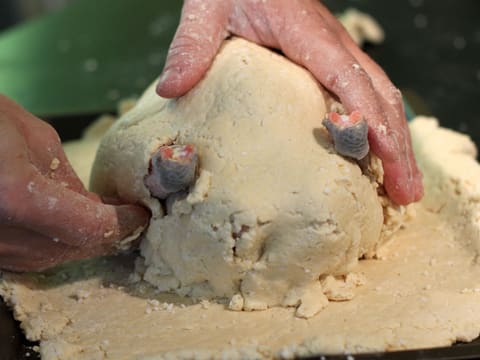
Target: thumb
x,y
197,40
131,220
58,212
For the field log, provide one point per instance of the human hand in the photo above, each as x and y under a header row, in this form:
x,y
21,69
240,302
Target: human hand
x,y
47,217
311,36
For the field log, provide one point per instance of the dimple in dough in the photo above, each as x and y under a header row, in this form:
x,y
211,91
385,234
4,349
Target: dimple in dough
x,y
274,207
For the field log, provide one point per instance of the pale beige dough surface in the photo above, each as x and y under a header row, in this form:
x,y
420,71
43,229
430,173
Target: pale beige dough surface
x,y
274,208
423,292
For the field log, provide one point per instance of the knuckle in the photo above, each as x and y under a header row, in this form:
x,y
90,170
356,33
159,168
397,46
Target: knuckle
x,y
332,81
345,77
395,95
182,51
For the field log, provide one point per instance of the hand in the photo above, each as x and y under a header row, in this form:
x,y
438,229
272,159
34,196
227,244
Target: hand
x,y
311,36
46,215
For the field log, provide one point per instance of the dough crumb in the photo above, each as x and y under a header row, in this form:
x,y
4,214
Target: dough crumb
x,y
470,290
168,307
286,353
355,279
396,218
30,186
200,190
205,304
54,164
362,27
236,303
154,303
309,300
312,302
338,289
81,295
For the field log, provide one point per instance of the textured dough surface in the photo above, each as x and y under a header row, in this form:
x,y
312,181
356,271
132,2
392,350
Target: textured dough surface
x,y
424,292
274,208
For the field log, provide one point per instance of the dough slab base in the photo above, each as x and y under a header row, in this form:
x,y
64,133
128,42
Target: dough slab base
x,y
78,318
423,292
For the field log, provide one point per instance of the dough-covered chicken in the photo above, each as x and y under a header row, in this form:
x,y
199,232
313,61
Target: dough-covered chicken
x,y
264,208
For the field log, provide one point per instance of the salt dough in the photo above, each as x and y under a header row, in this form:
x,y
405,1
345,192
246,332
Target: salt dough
x,y
274,208
423,290
361,26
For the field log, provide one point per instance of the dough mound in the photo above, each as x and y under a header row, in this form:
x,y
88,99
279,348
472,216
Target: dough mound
x,y
274,209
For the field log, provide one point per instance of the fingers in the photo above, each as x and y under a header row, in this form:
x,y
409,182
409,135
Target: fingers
x,y
319,47
310,35
403,179
41,205
197,40
47,155
32,199
313,44
24,250
45,150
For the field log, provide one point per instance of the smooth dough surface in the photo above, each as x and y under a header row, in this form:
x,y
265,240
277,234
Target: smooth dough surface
x,y
274,208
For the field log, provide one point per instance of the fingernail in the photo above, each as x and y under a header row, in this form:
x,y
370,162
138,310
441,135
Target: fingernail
x,y
131,218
